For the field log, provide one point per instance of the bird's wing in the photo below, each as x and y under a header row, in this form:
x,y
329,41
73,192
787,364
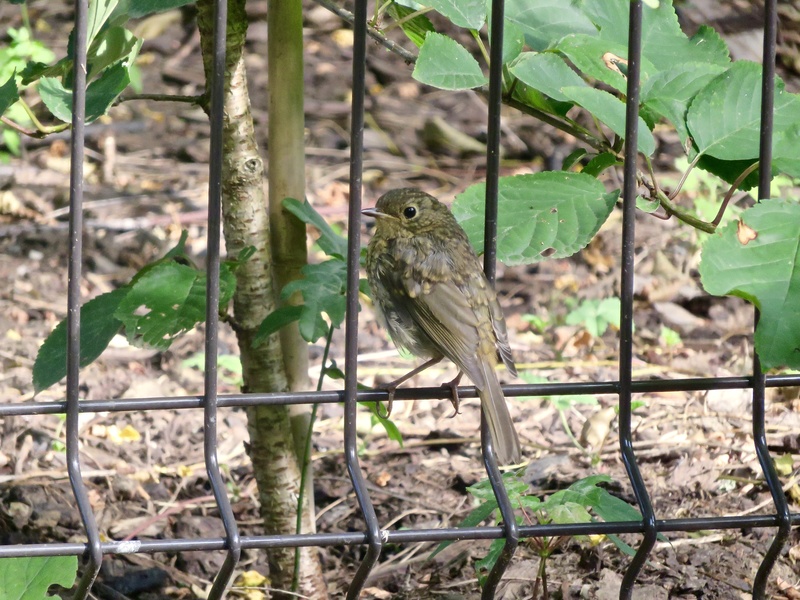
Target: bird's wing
x,y
501,334
444,313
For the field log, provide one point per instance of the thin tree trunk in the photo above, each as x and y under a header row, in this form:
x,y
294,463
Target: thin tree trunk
x,y
246,223
287,180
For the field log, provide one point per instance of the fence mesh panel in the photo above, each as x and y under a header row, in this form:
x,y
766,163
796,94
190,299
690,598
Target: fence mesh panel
x,y
373,536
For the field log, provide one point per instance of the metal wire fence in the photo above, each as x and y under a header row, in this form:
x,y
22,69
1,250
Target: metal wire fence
x,y
373,536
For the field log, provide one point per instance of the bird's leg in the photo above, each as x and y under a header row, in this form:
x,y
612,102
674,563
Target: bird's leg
x,y
393,385
453,385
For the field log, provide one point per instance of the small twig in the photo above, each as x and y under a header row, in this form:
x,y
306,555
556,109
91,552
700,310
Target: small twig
x,y
573,129
684,216
476,34
407,18
38,124
307,458
732,190
198,99
39,135
684,176
373,32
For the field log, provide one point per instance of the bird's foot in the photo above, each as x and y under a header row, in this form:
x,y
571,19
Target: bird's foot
x,y
455,400
389,388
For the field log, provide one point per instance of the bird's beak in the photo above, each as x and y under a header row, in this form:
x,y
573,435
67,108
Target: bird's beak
x,y
373,212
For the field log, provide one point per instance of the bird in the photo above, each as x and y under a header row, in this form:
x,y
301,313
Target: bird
x,y
435,301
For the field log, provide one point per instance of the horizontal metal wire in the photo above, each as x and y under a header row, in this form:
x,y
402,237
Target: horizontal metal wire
x,y
423,393
405,536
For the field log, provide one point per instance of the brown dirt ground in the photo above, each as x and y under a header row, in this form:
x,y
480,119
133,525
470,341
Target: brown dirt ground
x,y
695,449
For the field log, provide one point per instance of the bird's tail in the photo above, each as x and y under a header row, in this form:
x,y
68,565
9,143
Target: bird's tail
x,y
504,435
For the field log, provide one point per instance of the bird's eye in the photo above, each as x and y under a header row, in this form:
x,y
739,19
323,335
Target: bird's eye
x,y
409,212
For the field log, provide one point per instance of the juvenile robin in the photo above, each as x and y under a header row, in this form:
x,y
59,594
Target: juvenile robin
x,y
435,301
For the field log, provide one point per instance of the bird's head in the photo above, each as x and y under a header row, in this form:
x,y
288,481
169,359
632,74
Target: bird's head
x,y
408,212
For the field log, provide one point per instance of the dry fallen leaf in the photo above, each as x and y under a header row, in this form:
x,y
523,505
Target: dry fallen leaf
x,y
745,233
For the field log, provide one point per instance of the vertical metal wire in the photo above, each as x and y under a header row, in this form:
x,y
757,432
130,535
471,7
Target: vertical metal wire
x,y
217,94
95,554
373,532
489,266
759,380
626,296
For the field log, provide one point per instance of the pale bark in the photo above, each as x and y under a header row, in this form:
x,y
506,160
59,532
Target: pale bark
x,y
246,223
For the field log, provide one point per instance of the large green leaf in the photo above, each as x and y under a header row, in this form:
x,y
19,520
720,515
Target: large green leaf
x,y
464,13
668,93
611,111
112,45
446,64
100,94
600,59
29,578
331,242
547,72
724,118
513,41
98,14
98,326
168,300
758,258
542,215
323,289
544,22
663,42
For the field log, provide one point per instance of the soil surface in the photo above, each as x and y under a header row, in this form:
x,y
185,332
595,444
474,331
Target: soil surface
x,y
147,180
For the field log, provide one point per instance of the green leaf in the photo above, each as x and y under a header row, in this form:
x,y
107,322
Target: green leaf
x,y
758,258
100,94
569,512
56,98
600,163
99,12
596,315
9,93
275,321
724,118
513,41
544,22
611,111
572,158
98,327
668,93
541,215
512,481
142,8
112,45
104,90
546,72
649,205
476,516
568,402
392,432
29,578
446,64
470,14
486,564
625,548
168,300
323,289
416,28
663,42
331,242
600,59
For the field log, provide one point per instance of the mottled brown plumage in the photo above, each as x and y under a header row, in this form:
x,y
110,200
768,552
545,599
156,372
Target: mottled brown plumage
x,y
436,302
